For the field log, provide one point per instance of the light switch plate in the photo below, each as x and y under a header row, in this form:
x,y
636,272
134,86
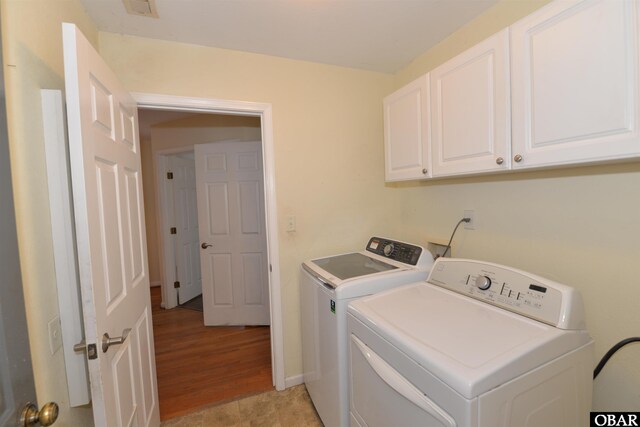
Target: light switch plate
x,y
55,334
291,223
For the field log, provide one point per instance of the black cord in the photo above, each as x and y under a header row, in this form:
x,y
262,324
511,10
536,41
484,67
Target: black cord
x,y
453,234
610,353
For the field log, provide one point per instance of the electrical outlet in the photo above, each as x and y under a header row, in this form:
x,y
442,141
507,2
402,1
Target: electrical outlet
x,y
471,225
291,223
55,334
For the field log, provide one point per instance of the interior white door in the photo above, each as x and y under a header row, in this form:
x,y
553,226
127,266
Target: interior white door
x,y
231,215
110,234
185,208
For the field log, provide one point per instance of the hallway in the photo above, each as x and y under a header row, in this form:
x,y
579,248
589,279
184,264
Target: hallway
x,y
199,366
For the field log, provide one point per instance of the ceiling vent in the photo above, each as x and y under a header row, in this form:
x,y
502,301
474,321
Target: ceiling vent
x,y
141,8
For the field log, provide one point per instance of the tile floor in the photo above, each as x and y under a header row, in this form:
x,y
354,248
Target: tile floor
x,y
291,407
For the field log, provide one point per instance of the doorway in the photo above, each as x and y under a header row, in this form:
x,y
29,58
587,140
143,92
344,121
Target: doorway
x,y
185,107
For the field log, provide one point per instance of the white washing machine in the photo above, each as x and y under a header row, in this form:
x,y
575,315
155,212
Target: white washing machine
x,y
327,285
478,345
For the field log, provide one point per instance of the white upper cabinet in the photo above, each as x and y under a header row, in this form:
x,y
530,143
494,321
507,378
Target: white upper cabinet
x,y
406,132
470,110
575,78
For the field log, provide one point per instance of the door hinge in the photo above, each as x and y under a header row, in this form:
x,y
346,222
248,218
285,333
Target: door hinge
x,y
173,230
270,268
176,284
169,175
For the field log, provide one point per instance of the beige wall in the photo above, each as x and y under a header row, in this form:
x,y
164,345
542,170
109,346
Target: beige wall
x,y
32,40
327,125
198,129
577,226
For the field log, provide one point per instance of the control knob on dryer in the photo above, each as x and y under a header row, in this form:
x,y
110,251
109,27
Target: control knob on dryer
x,y
483,282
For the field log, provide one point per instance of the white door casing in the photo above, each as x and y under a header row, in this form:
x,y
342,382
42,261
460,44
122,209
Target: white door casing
x,y
265,112
231,215
110,233
187,247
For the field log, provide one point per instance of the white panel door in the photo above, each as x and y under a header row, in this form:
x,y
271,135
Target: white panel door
x,y
187,246
575,78
110,234
470,110
406,132
231,215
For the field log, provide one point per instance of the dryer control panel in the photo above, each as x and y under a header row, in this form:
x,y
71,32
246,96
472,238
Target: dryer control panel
x,y
511,289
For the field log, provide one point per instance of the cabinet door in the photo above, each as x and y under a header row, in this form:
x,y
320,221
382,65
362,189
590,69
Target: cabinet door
x,y
406,132
575,83
470,110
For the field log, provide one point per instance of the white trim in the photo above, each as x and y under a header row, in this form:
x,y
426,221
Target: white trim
x,y
264,111
65,258
294,380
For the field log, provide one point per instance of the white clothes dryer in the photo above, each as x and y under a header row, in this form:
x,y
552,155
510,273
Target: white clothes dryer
x,y
327,285
476,345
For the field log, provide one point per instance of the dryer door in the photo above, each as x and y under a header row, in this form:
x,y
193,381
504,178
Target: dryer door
x,y
381,396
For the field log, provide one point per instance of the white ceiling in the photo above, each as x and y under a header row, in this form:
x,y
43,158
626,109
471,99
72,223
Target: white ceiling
x,y
377,35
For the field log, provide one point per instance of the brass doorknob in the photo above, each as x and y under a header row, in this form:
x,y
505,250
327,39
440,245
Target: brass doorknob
x,y
45,416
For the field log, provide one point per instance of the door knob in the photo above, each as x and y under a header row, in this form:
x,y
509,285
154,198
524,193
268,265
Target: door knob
x,y
517,158
499,160
46,416
107,341
205,245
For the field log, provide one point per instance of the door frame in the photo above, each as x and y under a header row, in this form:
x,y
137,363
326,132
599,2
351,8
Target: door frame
x,y
264,111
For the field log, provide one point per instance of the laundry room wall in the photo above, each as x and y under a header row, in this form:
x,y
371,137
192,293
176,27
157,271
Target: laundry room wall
x,y
578,226
186,132
32,44
327,131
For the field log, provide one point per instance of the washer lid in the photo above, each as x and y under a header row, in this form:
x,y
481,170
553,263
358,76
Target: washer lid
x,y
471,346
348,266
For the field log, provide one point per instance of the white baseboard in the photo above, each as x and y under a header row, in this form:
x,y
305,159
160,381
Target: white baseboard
x,y
154,284
293,381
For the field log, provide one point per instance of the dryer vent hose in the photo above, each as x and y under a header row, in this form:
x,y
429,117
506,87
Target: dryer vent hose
x,y
610,353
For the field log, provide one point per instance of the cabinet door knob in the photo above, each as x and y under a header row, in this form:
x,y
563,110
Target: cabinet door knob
x,y
424,171
499,160
517,158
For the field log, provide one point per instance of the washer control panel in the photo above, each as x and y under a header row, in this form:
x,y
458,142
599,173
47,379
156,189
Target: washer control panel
x,y
397,251
511,289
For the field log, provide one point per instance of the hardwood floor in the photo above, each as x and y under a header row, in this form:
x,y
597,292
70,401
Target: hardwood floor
x,y
201,365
